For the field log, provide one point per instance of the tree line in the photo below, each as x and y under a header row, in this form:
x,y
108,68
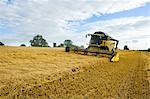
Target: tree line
x,y
39,41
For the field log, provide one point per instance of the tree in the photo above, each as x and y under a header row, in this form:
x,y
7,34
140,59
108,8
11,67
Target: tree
x,y
61,45
39,41
54,44
22,45
2,44
148,49
126,47
68,43
82,46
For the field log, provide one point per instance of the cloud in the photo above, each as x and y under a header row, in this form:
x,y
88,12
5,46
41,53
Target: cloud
x,y
25,18
126,30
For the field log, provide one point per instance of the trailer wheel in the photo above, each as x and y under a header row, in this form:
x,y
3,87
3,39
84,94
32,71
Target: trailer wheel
x,y
76,50
67,49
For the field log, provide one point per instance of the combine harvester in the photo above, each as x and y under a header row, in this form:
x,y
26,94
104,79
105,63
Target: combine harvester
x,y
101,43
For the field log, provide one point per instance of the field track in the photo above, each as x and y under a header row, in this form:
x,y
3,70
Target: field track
x,y
46,73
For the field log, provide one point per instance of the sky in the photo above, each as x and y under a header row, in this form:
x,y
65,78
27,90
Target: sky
x,y
125,20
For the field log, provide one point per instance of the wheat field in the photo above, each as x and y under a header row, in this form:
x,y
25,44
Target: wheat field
x,y
51,73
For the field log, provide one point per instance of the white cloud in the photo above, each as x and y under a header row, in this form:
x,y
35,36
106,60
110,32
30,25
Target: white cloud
x,y
27,18
126,30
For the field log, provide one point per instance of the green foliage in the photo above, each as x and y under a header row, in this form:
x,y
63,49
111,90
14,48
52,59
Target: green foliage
x,y
68,43
39,41
148,49
2,44
82,46
61,45
54,44
22,45
126,47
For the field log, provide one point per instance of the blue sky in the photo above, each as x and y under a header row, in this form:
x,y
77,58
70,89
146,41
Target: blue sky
x,y
140,11
126,20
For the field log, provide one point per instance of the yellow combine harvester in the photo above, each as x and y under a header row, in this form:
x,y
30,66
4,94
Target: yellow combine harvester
x,y
101,43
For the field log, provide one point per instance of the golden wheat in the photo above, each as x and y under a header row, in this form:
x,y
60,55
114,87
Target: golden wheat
x,y
30,72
